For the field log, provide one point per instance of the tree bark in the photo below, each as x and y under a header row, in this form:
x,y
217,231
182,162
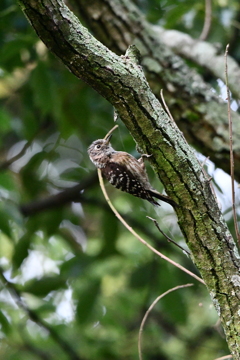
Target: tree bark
x,y
122,82
198,111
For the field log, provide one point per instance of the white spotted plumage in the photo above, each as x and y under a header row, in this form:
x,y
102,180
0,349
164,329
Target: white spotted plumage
x,y
124,172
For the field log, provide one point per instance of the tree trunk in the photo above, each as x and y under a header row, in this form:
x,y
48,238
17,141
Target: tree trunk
x,y
198,111
122,82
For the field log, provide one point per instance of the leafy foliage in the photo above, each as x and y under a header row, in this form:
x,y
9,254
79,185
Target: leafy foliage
x,y
70,273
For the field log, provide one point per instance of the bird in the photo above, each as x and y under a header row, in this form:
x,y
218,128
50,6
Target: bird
x,y
124,171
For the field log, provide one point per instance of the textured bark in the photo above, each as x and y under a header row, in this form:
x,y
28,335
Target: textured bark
x,y
122,82
204,54
199,113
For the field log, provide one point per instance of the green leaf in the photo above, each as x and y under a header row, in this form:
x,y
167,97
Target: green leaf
x,y
87,301
75,266
10,54
45,285
173,303
5,121
21,250
6,180
110,231
48,221
46,309
42,86
29,174
5,326
4,223
142,276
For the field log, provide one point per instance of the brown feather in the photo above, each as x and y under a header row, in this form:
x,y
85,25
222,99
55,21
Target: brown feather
x,y
124,172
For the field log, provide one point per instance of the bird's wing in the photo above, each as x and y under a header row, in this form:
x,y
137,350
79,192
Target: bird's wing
x,y
130,163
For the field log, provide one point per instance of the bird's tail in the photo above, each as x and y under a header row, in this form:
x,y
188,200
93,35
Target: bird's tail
x,y
164,198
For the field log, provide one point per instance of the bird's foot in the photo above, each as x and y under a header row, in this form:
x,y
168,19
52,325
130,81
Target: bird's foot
x,y
141,160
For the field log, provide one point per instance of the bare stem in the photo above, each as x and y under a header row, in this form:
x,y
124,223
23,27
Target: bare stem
x,y
207,20
139,237
110,132
224,357
167,237
148,311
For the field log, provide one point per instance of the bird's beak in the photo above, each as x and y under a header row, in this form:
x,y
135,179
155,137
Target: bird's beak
x,y
108,138
109,134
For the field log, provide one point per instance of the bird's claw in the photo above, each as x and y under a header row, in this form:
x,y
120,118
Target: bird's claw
x,y
141,161
146,156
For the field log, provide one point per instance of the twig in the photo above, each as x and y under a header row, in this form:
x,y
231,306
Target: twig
x,y
68,195
169,113
207,20
110,131
139,237
224,357
231,148
166,107
148,311
204,162
167,237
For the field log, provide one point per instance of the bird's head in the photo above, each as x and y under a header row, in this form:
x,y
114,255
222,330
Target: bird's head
x,y
100,152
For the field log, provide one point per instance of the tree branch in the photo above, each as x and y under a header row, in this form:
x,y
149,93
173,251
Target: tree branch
x,y
122,83
66,196
202,53
199,113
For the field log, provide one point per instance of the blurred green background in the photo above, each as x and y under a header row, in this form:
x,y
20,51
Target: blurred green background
x,y
74,283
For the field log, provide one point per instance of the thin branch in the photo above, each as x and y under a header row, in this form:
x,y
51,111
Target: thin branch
x,y
224,357
150,309
207,20
139,237
167,237
231,148
166,107
71,194
74,194
204,161
111,131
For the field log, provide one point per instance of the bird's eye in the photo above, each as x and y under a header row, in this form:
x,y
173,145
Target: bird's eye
x,y
98,147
